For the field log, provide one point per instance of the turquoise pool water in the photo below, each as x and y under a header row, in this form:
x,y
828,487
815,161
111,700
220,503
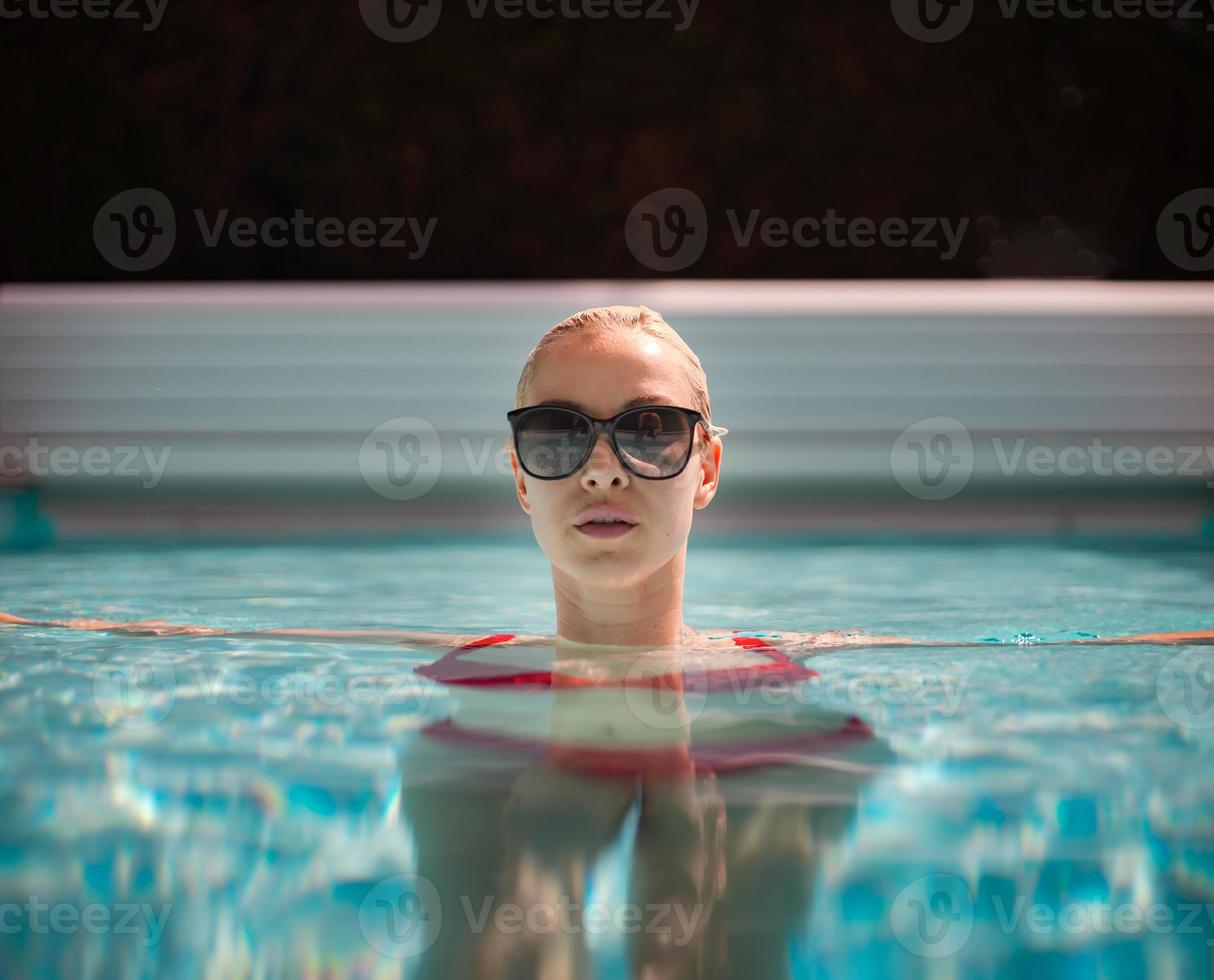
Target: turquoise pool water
x,y
269,807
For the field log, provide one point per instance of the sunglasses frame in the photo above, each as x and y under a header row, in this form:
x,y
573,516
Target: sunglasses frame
x,y
601,426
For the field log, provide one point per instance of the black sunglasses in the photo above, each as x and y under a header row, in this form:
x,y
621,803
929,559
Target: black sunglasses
x,y
652,441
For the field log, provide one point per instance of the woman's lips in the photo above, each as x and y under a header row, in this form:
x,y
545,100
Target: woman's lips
x,y
592,530
615,520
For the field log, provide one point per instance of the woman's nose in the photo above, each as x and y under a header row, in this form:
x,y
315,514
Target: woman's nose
x,y
603,469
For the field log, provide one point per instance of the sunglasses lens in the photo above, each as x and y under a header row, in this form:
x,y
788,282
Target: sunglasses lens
x,y
551,442
654,442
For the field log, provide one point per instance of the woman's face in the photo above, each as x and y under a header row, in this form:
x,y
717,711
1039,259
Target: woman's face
x,y
601,372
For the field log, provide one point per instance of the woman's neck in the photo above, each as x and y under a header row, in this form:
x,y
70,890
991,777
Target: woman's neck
x,y
645,614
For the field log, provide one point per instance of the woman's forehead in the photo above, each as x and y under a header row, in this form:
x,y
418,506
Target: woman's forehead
x,y
630,365
612,352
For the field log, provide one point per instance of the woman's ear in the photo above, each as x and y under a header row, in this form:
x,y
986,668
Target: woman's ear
x,y
710,472
520,482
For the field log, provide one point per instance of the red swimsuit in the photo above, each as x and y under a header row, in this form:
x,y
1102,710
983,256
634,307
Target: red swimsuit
x,y
630,763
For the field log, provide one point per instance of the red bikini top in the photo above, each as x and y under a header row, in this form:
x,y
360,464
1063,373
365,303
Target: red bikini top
x,y
804,748
452,668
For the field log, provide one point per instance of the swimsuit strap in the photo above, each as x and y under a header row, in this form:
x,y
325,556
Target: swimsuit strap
x,y
452,669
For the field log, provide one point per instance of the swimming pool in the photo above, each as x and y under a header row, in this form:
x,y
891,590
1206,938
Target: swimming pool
x,y
272,806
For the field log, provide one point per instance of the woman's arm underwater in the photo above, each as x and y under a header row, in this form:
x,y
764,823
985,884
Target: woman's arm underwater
x,y
156,627
857,639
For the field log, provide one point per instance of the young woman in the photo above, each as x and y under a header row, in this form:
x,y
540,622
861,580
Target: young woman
x,y
614,449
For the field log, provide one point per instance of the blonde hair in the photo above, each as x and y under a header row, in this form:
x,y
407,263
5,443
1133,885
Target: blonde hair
x,y
623,317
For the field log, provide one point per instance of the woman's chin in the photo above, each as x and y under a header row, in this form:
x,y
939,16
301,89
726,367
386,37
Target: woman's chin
x,y
608,568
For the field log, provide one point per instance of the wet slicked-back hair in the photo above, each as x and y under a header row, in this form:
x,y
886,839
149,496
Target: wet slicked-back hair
x,y
620,317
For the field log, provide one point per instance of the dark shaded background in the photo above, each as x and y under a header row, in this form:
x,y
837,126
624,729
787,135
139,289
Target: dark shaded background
x,y
531,141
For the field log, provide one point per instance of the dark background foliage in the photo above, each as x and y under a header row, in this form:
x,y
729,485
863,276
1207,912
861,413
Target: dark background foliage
x,y
531,140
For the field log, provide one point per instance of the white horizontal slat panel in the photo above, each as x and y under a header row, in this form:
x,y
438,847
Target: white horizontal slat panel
x,y
815,380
